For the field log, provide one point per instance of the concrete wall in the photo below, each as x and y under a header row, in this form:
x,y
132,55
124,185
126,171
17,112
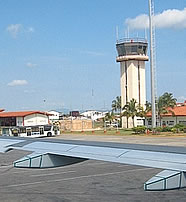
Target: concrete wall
x,y
75,125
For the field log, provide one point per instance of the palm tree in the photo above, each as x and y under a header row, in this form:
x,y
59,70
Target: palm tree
x,y
143,112
148,107
169,100
164,102
140,111
116,106
109,117
130,110
126,113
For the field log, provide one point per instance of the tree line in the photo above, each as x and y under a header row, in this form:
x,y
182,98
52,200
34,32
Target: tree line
x,y
164,104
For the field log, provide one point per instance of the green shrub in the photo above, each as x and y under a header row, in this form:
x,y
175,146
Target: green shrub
x,y
159,129
166,129
139,129
174,130
179,127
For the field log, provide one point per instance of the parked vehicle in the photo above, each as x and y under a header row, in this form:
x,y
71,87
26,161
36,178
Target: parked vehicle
x,y
31,131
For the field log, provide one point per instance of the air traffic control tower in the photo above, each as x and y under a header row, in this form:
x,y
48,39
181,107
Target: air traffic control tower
x,y
132,54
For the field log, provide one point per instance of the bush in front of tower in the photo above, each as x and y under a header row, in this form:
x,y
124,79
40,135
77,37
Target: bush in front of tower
x,y
139,129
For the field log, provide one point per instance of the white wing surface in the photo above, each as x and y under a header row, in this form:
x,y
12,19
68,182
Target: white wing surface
x,y
60,153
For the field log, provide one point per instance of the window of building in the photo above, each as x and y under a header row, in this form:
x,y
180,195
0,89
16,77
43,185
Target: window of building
x,y
134,49
171,123
149,122
182,122
8,121
164,123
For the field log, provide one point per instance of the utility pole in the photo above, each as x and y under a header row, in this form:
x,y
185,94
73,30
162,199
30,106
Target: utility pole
x,y
152,61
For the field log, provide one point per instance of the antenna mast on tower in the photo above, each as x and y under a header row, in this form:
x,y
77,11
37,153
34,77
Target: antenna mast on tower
x,y
152,62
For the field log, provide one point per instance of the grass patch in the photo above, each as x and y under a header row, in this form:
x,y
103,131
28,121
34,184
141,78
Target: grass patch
x,y
123,132
101,132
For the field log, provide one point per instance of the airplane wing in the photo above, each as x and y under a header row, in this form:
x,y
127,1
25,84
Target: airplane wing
x,y
53,153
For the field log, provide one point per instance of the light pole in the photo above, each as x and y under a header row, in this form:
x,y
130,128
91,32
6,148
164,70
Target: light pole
x,y
152,61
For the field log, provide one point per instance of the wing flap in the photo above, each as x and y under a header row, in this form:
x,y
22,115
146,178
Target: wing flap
x,y
166,180
46,160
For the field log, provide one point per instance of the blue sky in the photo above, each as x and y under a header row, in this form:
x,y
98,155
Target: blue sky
x,y
59,54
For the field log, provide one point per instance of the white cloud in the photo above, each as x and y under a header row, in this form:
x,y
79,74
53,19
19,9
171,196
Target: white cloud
x,y
171,18
29,64
140,22
15,29
18,83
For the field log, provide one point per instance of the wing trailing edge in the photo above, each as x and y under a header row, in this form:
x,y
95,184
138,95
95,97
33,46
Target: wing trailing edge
x,y
166,180
46,160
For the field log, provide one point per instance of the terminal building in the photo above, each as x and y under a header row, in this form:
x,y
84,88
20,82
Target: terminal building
x,y
176,115
23,118
132,55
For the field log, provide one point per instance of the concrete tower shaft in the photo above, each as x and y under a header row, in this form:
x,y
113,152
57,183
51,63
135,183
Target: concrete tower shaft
x,y
132,54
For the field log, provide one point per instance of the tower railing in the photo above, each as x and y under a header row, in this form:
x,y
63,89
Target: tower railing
x,y
131,40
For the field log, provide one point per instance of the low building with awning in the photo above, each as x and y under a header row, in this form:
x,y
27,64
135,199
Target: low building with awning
x,y
24,118
175,115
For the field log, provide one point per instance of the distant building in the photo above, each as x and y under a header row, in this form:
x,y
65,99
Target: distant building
x,y
24,118
94,115
74,113
177,115
54,115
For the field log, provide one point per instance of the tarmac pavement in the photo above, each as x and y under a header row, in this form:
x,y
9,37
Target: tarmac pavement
x,y
175,140
89,181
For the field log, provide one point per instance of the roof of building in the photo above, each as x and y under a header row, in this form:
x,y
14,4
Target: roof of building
x,y
21,113
1,110
176,111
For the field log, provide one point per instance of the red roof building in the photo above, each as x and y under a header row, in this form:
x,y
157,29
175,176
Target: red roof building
x,y
176,115
176,111
24,118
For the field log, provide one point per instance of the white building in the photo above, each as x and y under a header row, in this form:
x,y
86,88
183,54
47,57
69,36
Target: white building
x,y
24,118
93,115
54,115
132,54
